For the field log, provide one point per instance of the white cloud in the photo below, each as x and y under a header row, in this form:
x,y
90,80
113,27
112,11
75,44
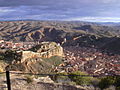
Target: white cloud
x,y
109,1
4,10
95,19
92,14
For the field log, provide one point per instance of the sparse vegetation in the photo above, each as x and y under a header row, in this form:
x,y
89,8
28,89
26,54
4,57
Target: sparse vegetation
x,y
9,55
108,81
58,76
54,60
74,78
29,79
1,57
80,80
81,34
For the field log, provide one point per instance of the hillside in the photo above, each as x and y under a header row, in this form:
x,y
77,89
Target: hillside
x,y
58,47
45,30
63,32
45,59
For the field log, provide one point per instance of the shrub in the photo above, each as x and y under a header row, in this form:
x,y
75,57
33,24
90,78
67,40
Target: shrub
x,y
57,76
54,60
117,81
110,80
1,57
95,82
62,78
9,55
118,88
106,82
29,79
80,80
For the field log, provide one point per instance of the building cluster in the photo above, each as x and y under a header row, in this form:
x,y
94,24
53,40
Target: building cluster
x,y
16,45
91,61
84,59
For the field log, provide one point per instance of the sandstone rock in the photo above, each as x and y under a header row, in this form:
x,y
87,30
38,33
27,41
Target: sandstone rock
x,y
43,50
29,54
48,49
46,79
2,66
39,59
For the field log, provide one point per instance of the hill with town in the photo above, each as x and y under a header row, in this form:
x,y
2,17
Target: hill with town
x,y
63,32
82,43
55,47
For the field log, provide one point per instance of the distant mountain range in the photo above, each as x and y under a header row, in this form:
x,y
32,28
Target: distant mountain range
x,y
64,32
109,23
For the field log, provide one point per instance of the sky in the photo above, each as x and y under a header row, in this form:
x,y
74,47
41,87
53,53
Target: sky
x,y
64,10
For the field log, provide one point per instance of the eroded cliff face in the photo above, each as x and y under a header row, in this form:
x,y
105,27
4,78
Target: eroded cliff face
x,y
49,49
25,55
43,50
39,59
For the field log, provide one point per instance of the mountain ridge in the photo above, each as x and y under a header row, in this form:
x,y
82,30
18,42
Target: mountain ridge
x,y
65,33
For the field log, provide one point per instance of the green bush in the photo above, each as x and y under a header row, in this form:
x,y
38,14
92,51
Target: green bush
x,y
62,78
9,55
1,57
106,82
117,81
54,60
29,79
95,82
118,88
80,80
59,76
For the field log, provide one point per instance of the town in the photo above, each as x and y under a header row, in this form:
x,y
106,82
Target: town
x,y
17,45
76,58
91,60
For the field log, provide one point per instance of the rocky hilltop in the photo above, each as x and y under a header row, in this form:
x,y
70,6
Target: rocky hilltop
x,y
40,59
48,49
43,50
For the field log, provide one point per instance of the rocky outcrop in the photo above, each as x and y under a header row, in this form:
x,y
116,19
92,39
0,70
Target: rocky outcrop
x,y
2,66
27,55
43,50
48,49
36,65
42,58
